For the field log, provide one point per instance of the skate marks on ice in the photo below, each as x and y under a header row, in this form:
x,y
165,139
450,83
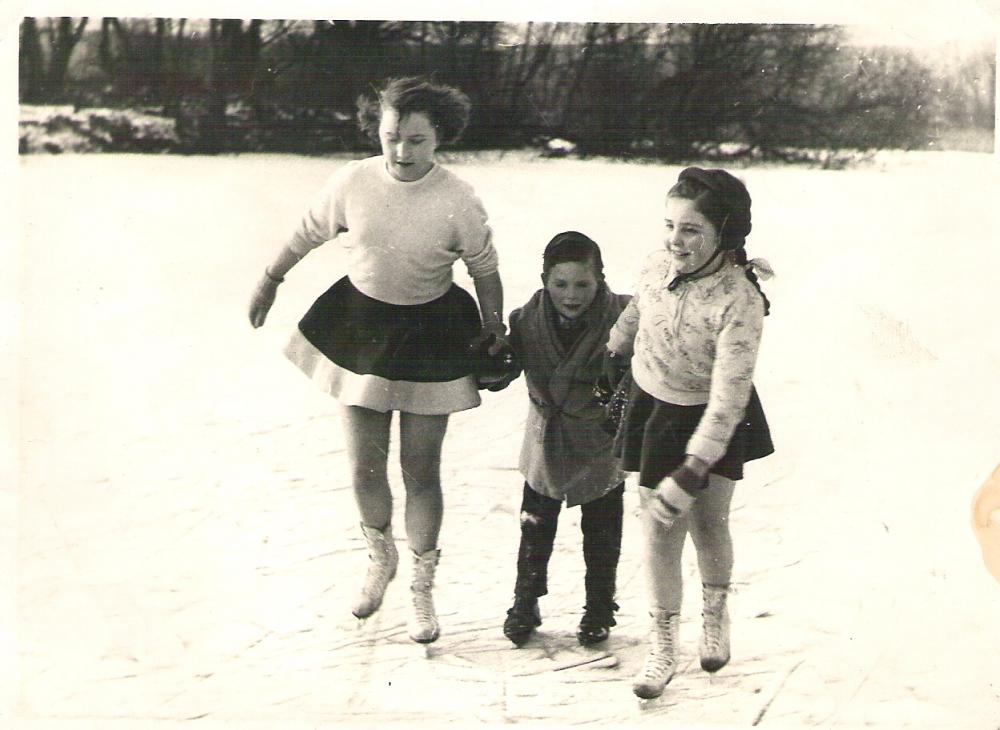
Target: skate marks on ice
x,y
738,695
472,671
188,545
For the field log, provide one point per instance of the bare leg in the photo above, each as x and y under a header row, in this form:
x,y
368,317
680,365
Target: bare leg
x,y
421,438
664,547
709,527
664,581
367,433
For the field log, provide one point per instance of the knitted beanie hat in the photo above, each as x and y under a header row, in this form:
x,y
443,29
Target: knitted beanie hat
x,y
735,200
571,246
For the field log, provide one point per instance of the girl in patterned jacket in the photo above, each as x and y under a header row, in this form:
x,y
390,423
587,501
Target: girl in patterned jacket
x,y
693,417
395,333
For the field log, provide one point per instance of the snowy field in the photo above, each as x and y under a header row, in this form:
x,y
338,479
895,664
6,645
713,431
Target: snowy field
x,y
188,544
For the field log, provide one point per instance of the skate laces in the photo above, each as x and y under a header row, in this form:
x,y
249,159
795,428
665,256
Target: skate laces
x,y
713,639
424,616
379,568
661,659
382,560
380,572
657,665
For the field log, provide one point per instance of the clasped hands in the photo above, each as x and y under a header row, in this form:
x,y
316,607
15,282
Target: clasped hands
x,y
496,366
614,367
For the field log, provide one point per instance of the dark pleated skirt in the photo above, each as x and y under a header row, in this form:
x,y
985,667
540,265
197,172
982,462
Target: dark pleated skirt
x,y
385,356
654,435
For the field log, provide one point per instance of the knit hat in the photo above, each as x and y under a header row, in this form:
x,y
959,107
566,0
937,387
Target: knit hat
x,y
571,246
735,200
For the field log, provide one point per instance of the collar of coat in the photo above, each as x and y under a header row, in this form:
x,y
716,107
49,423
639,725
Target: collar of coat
x,y
553,369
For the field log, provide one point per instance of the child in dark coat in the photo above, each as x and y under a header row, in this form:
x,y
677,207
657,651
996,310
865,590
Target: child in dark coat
x,y
559,337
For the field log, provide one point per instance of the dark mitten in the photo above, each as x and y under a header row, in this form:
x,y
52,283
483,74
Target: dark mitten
x,y
689,480
614,367
494,372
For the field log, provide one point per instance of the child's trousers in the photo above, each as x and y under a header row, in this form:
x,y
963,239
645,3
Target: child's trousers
x,y
601,524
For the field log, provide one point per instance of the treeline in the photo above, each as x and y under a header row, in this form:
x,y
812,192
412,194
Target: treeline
x,y
655,90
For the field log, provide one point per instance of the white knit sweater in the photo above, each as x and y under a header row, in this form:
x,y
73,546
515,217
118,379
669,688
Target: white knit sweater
x,y
402,237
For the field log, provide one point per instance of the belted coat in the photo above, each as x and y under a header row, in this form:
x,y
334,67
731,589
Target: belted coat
x,y
565,454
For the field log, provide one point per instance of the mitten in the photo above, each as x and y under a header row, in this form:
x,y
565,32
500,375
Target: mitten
x,y
614,366
495,372
675,494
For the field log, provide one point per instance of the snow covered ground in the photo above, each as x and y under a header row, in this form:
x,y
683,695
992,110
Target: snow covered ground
x,y
187,542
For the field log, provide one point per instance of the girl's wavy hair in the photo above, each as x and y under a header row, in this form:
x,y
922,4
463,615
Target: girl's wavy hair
x,y
447,107
725,201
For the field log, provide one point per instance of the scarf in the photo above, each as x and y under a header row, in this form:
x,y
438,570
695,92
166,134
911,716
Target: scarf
x,y
552,369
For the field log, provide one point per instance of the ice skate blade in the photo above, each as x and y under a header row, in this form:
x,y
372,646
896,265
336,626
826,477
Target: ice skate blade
x,y
648,694
712,666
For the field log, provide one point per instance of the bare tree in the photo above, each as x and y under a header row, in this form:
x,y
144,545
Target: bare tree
x,y
44,68
665,90
31,63
64,34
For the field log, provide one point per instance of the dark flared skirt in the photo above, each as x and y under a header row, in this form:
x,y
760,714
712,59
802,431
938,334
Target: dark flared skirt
x,y
654,435
383,356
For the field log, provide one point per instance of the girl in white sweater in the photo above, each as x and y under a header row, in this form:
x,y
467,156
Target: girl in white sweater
x,y
396,334
693,417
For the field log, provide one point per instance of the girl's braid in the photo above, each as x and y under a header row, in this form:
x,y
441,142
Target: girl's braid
x,y
740,256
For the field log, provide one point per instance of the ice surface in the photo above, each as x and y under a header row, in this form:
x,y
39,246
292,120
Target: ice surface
x,y
187,540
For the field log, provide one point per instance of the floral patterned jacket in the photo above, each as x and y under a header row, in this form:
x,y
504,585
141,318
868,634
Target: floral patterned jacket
x,y
694,345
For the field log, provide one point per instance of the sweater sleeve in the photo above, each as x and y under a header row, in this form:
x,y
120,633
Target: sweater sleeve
x,y
732,377
514,336
474,238
324,219
623,331
515,340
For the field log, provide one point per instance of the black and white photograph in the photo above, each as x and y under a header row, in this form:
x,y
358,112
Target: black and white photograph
x,y
371,365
